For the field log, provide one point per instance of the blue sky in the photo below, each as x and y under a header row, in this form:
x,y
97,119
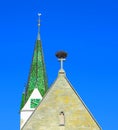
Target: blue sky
x,y
87,30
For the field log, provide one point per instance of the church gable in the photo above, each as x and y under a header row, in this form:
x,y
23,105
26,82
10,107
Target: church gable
x,y
35,95
29,107
61,108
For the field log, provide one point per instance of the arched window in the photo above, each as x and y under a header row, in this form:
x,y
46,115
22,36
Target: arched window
x,y
61,119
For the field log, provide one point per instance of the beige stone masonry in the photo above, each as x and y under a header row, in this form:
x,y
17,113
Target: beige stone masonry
x,y
61,97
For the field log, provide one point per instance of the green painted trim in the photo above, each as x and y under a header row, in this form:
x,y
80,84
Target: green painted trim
x,y
22,101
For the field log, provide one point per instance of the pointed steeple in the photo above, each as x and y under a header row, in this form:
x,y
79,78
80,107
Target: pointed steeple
x,y
37,76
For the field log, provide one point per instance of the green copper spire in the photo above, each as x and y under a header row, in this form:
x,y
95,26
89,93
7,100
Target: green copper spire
x,y
37,77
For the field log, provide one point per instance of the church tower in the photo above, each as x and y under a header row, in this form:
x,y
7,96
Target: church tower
x,y
37,83
59,108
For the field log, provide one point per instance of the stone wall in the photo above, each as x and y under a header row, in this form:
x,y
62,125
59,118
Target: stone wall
x,y
61,98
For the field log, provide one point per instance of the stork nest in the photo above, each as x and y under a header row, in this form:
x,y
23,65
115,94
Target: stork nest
x,y
61,54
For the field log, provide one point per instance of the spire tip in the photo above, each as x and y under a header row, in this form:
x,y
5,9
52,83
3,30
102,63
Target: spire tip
x,y
39,14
